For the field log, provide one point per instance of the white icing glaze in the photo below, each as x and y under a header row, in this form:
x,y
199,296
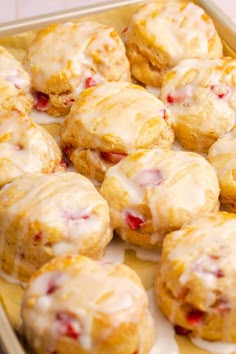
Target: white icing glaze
x,y
201,96
67,203
165,335
118,109
153,90
77,49
25,147
179,171
179,28
208,259
101,292
12,72
215,347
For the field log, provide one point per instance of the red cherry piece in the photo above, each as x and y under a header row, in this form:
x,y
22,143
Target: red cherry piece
x,y
64,163
194,317
66,327
214,256
19,147
219,91
67,151
42,102
90,82
165,115
149,178
219,273
181,331
134,222
52,286
125,30
112,157
73,216
177,98
38,236
136,352
170,99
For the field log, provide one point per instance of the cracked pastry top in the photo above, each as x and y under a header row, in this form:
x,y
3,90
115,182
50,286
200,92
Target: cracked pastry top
x,y
15,84
160,34
25,147
152,192
86,306
65,58
43,216
109,121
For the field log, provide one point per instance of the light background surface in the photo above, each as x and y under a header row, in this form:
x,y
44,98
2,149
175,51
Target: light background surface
x,y
18,9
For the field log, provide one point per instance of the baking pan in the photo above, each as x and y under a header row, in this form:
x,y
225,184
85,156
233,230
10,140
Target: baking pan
x,y
16,36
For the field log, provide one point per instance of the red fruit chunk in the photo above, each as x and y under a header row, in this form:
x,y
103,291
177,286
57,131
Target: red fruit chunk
x,y
64,163
125,30
194,317
181,331
66,327
38,236
90,82
165,115
42,102
52,286
19,147
112,156
176,98
217,91
74,216
149,178
170,99
134,222
214,256
67,151
219,273
136,352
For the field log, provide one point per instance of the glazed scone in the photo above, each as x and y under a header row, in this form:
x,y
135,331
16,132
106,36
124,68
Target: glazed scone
x,y
222,155
152,192
110,120
197,277
76,305
161,33
25,147
15,85
201,95
66,58
42,216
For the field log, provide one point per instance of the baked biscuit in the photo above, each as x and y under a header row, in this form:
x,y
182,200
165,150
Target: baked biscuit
x,y
42,216
161,33
25,147
201,95
65,58
110,120
76,305
222,155
15,84
197,277
152,192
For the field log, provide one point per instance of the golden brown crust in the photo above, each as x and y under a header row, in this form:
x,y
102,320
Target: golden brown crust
x,y
158,38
